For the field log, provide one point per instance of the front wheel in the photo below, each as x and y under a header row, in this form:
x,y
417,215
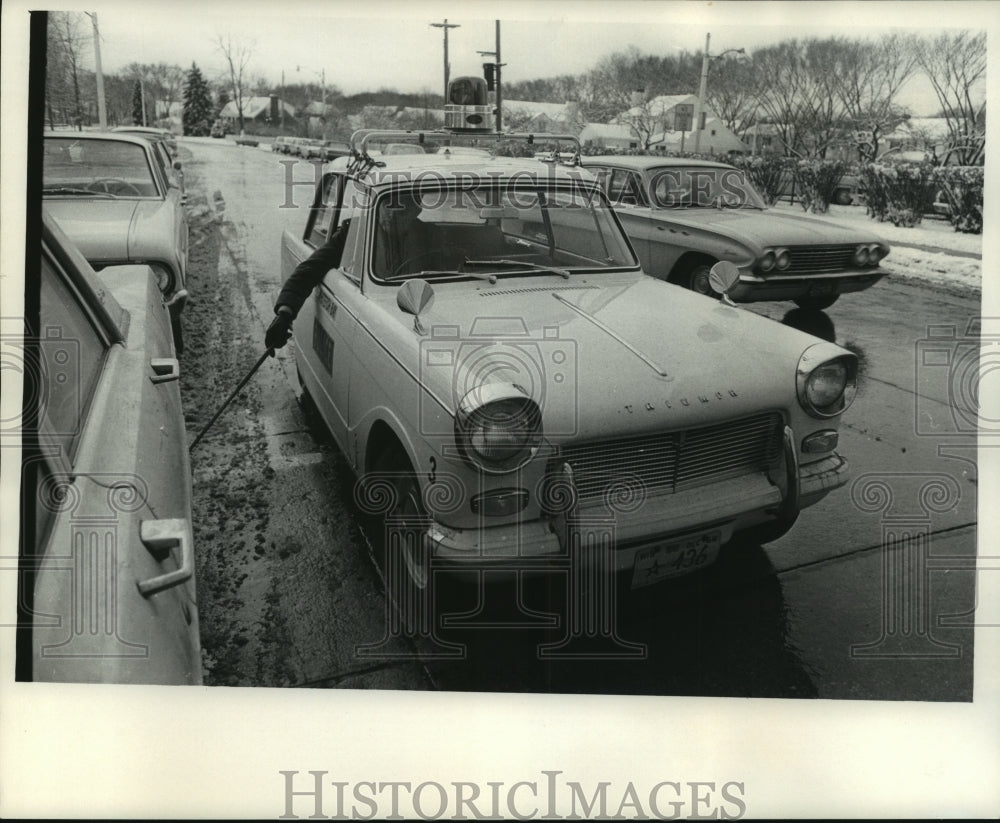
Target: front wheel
x,y
816,303
401,550
697,280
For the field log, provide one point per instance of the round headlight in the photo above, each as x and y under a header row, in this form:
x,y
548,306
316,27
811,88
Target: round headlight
x,y
861,256
826,384
783,259
767,261
875,253
828,388
499,435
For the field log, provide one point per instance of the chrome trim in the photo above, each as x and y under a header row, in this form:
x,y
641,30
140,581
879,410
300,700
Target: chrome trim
x,y
613,334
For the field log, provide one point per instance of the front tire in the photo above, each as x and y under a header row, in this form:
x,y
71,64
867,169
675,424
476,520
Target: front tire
x,y
400,549
696,279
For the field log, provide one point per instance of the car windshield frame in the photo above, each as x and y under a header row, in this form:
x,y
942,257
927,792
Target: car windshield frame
x,y
87,152
492,213
701,187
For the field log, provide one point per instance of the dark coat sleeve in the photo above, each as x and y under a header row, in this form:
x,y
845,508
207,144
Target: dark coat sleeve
x,y
311,271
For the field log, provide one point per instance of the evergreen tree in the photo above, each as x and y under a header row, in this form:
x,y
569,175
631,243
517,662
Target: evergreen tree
x,y
137,104
198,109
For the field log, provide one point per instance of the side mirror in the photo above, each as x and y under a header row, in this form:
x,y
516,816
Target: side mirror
x,y
413,297
177,165
722,277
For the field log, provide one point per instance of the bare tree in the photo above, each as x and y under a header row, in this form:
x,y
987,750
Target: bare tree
x,y
867,79
171,80
646,119
66,43
609,86
731,94
955,63
794,85
237,54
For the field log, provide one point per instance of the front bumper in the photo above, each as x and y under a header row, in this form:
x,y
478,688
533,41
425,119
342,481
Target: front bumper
x,y
752,287
728,507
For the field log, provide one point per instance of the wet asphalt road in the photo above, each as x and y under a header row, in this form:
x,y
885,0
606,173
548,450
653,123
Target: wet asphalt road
x,y
815,614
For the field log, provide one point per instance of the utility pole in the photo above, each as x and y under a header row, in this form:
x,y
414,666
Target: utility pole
x,y
281,101
699,103
499,93
446,25
323,81
102,109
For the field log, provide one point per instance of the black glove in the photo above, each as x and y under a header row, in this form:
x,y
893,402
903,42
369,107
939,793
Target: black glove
x,y
280,330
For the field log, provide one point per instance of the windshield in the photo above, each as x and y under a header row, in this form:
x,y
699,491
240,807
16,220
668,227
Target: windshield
x,y
703,187
494,230
96,168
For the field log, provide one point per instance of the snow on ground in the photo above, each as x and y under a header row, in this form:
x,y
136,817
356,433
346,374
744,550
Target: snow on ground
x,y
932,264
932,231
938,267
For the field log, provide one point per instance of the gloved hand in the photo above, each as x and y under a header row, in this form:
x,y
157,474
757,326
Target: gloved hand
x,y
280,330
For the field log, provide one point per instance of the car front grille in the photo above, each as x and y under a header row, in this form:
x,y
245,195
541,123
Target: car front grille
x,y
669,462
810,259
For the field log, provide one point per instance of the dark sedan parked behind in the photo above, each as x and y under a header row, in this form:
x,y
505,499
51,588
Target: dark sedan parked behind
x,y
684,215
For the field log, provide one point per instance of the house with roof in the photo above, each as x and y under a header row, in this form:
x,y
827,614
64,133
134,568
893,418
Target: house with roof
x,y
716,138
527,115
656,121
258,109
608,136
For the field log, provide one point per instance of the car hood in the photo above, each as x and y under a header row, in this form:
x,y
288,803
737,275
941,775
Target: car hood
x,y
104,230
767,228
618,353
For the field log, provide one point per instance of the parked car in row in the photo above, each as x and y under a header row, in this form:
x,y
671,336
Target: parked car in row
x,y
111,195
327,150
685,215
107,576
490,350
151,133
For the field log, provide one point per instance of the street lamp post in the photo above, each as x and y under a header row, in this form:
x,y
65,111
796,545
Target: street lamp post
x,y
699,104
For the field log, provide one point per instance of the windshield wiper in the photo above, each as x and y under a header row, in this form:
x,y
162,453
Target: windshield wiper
x,y
519,264
491,278
72,190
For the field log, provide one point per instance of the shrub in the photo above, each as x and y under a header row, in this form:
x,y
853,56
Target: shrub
x,y
817,181
962,189
766,173
898,192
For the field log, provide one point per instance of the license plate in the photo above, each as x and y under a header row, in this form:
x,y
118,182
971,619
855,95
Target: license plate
x,y
675,558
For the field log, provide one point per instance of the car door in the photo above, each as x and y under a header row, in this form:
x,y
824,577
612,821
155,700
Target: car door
x,y
108,582
627,194
322,326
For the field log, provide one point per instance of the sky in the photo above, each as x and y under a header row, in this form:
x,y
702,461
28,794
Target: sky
x,y
364,47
